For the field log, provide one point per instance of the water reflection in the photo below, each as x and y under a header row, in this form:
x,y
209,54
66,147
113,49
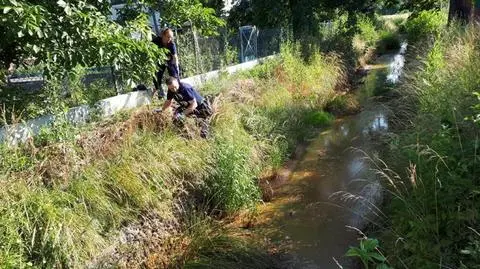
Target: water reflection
x,y
356,166
364,207
378,124
344,130
302,210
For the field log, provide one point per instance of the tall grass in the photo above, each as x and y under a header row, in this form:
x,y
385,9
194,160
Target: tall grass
x,y
434,208
376,35
64,200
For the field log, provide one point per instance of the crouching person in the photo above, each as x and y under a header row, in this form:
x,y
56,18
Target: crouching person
x,y
190,102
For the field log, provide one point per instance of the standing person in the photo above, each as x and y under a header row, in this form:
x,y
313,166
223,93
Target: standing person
x,y
190,102
165,41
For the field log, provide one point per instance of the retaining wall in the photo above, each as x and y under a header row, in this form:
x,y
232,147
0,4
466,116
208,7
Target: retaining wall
x,y
18,133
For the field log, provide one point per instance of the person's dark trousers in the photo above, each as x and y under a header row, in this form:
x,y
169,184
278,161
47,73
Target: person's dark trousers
x,y
202,113
157,81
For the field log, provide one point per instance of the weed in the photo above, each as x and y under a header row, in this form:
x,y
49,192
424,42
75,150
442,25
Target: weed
x,y
369,254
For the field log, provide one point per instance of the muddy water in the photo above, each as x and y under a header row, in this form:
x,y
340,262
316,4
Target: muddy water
x,y
309,216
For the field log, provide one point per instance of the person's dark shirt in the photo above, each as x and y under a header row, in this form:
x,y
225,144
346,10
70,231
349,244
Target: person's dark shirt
x,y
172,48
185,94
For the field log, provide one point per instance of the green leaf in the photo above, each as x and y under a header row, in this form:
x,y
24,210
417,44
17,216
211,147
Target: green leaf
x,y
370,244
36,48
68,10
6,10
40,33
20,34
383,266
61,3
378,257
354,252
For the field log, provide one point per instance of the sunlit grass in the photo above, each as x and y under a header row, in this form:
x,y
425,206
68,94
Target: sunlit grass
x,y
117,172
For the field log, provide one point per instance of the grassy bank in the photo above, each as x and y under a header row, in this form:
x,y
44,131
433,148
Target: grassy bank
x,y
432,173
66,195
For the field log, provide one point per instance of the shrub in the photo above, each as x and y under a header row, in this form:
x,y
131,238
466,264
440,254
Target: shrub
x,y
318,118
367,30
366,36
425,24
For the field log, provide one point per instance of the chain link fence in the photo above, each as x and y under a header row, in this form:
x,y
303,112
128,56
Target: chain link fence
x,y
197,55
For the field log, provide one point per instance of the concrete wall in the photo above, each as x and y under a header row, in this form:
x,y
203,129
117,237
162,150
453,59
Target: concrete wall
x,y
18,133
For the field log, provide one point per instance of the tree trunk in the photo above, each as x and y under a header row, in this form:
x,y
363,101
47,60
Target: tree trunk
x,y
460,10
476,12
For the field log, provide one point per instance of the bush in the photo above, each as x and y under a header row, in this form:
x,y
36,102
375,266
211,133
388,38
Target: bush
x,y
366,36
318,118
425,24
367,30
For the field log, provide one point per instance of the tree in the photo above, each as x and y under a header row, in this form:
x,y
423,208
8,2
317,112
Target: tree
x,y
64,35
217,5
302,16
179,12
460,10
419,5
476,8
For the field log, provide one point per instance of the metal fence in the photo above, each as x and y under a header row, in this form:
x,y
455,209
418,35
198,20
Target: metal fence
x,y
202,54
197,55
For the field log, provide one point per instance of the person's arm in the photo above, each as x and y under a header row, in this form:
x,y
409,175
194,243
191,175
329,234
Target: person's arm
x,y
173,49
175,59
192,105
166,105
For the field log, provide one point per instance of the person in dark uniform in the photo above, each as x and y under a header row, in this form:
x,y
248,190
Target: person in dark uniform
x,y
190,102
165,41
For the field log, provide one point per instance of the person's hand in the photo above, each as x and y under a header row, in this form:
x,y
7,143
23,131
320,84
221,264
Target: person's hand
x,y
179,116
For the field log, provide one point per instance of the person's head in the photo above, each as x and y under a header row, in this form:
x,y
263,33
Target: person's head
x,y
167,36
172,84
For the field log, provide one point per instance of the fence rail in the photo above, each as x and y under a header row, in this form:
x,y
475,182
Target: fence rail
x,y
197,55
19,133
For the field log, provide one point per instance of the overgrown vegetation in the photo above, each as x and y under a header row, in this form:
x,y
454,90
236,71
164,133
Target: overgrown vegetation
x,y
377,35
64,199
433,213
425,24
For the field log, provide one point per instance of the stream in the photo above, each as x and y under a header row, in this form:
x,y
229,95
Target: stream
x,y
332,188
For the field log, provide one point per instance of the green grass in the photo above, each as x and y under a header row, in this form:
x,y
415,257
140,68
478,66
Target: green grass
x,y
434,207
223,251
62,203
378,35
213,246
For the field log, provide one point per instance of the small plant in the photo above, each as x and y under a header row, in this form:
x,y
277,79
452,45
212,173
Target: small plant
x,y
369,254
319,118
